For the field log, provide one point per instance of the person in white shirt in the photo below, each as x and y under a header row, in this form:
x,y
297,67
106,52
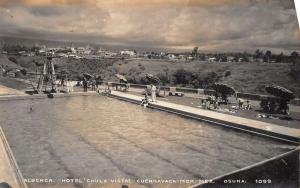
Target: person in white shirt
x,y
153,93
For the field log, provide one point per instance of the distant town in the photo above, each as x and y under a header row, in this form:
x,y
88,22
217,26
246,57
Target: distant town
x,y
90,52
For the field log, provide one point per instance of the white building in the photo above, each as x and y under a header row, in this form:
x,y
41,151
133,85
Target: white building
x,y
212,59
230,59
128,52
42,51
83,50
172,56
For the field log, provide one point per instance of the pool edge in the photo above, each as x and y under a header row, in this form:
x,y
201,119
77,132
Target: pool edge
x,y
8,155
225,123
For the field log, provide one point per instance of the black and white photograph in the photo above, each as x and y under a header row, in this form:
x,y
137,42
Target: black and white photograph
x,y
149,94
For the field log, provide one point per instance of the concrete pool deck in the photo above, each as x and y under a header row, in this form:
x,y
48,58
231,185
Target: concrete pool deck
x,y
9,91
253,126
9,171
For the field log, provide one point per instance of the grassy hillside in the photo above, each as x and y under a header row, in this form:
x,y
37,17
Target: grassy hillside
x,y
244,77
6,63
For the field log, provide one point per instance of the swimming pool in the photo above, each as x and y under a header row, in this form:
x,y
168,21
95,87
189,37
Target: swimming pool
x,y
104,138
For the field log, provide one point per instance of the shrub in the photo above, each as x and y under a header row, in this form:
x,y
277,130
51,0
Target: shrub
x,y
163,78
182,76
227,73
23,71
195,79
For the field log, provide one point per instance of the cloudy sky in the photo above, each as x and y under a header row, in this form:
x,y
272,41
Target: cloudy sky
x,y
213,25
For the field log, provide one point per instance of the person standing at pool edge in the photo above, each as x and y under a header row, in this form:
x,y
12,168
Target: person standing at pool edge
x,y
85,85
153,93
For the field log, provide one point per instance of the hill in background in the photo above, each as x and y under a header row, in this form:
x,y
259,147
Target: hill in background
x,y
244,77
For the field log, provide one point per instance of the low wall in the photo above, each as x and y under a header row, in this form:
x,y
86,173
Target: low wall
x,y
226,123
43,96
187,90
138,86
10,172
281,171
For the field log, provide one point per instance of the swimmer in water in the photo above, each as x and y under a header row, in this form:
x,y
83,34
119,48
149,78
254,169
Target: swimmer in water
x,y
30,109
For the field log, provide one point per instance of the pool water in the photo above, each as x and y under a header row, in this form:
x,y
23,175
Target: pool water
x,y
101,137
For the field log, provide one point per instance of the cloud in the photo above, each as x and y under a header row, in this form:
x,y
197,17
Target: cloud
x,y
119,3
222,25
46,10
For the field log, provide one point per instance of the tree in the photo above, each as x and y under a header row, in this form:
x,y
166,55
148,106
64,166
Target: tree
x,y
258,54
294,57
195,52
280,58
163,78
182,76
166,70
211,78
295,70
35,49
268,56
14,48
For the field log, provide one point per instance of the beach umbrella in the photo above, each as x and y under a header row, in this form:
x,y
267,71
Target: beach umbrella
x,y
281,92
152,78
87,76
224,88
121,77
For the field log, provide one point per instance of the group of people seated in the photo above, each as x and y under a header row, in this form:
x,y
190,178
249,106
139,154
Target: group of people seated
x,y
106,91
152,89
212,102
275,106
244,105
